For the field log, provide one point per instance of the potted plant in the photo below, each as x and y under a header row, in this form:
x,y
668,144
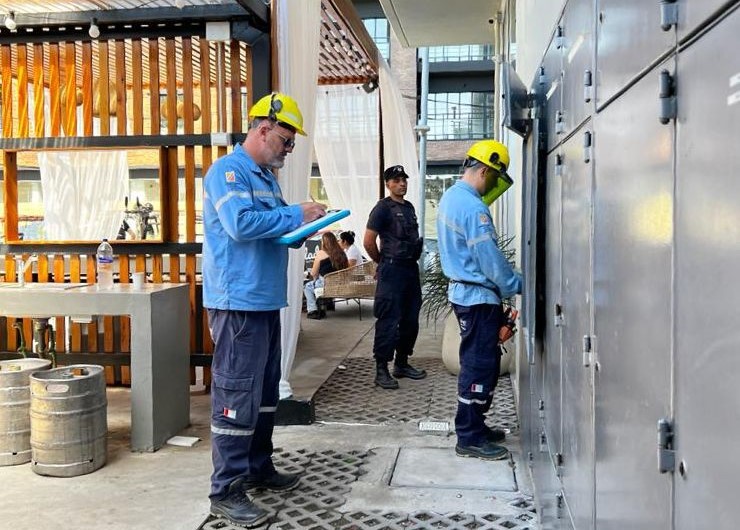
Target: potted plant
x,y
437,306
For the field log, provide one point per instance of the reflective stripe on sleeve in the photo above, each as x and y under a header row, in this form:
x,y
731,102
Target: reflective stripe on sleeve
x,y
268,409
465,401
230,195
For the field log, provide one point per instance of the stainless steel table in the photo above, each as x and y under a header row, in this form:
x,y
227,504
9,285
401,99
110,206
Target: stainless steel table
x,y
160,336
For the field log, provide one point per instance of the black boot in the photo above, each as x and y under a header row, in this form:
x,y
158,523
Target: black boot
x,y
383,378
402,368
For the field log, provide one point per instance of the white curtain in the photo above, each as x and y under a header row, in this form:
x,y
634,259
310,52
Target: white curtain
x,y
299,26
346,144
83,191
399,140
83,194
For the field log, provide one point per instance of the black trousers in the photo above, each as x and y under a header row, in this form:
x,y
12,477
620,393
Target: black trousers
x,y
397,306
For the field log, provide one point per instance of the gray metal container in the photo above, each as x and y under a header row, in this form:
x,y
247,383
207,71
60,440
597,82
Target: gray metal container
x,y
68,420
15,400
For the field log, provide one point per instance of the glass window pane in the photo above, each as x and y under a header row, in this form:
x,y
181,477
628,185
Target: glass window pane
x,y
460,115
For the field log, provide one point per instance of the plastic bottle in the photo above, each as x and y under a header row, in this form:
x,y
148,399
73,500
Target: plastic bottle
x,y
104,258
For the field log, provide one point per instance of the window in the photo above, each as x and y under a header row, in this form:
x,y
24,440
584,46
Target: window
x,y
475,52
460,116
379,30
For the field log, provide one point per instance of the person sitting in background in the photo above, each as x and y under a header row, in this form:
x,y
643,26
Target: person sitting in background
x,y
329,258
347,242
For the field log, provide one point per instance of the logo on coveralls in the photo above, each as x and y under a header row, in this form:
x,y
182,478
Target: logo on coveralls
x,y
476,388
483,219
230,176
230,413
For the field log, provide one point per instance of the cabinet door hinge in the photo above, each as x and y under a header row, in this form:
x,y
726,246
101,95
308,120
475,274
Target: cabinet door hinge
x,y
667,95
588,88
668,14
666,453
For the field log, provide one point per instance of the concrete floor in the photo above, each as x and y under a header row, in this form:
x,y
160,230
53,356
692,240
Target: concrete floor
x,y
408,470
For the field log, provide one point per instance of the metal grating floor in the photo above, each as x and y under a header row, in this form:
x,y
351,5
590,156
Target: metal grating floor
x,y
326,479
349,396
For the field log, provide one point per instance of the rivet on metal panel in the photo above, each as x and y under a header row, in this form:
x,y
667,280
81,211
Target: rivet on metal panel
x,y
682,469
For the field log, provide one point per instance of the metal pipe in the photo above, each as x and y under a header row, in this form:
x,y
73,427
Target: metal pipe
x,y
422,129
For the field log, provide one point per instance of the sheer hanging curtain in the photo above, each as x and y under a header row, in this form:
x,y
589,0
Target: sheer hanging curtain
x,y
346,144
83,191
299,26
399,139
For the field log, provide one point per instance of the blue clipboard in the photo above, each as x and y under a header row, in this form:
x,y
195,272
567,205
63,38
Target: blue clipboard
x,y
308,229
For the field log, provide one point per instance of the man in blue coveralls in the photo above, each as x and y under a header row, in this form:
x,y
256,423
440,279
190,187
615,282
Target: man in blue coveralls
x,y
480,276
244,287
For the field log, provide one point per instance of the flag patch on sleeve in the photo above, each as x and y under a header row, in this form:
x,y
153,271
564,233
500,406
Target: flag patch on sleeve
x,y
230,413
476,388
230,176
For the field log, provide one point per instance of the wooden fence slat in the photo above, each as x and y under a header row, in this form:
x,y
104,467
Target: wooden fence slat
x,y
39,94
6,74
75,328
102,94
22,72
155,126
171,99
121,113
236,85
137,88
69,104
55,93
88,95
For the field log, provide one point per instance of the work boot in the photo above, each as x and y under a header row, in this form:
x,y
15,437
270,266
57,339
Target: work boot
x,y
277,482
314,315
383,378
484,451
402,368
238,509
495,435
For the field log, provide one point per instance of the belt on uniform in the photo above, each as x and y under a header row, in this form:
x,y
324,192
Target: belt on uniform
x,y
399,261
495,289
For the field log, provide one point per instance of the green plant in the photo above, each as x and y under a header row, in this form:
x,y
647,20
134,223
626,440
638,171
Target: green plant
x,y
434,288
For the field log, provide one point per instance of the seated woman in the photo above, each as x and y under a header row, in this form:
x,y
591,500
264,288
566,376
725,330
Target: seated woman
x,y
347,242
329,258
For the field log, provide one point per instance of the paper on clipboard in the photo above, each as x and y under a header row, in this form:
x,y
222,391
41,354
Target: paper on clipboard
x,y
308,229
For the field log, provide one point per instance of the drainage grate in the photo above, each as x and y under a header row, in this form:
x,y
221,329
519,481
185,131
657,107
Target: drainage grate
x,y
327,479
349,396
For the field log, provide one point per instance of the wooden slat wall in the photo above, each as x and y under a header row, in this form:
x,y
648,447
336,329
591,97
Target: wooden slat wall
x,y
180,68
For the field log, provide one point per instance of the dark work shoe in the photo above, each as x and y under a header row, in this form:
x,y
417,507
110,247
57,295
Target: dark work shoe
x,y
277,482
485,451
236,508
495,435
314,315
383,378
408,371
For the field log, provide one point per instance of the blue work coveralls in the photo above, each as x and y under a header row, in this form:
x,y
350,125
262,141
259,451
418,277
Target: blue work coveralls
x,y
479,276
244,287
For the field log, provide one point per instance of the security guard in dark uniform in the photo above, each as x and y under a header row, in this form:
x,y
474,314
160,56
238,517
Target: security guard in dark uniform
x,y
398,293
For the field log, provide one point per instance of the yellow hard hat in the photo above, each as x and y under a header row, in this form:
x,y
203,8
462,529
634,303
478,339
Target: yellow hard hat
x,y
496,156
281,108
491,153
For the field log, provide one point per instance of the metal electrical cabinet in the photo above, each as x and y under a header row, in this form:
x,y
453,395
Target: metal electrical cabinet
x,y
634,391
577,59
633,232
707,341
629,38
577,452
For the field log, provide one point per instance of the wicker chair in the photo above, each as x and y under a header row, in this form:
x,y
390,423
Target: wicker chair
x,y
353,283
